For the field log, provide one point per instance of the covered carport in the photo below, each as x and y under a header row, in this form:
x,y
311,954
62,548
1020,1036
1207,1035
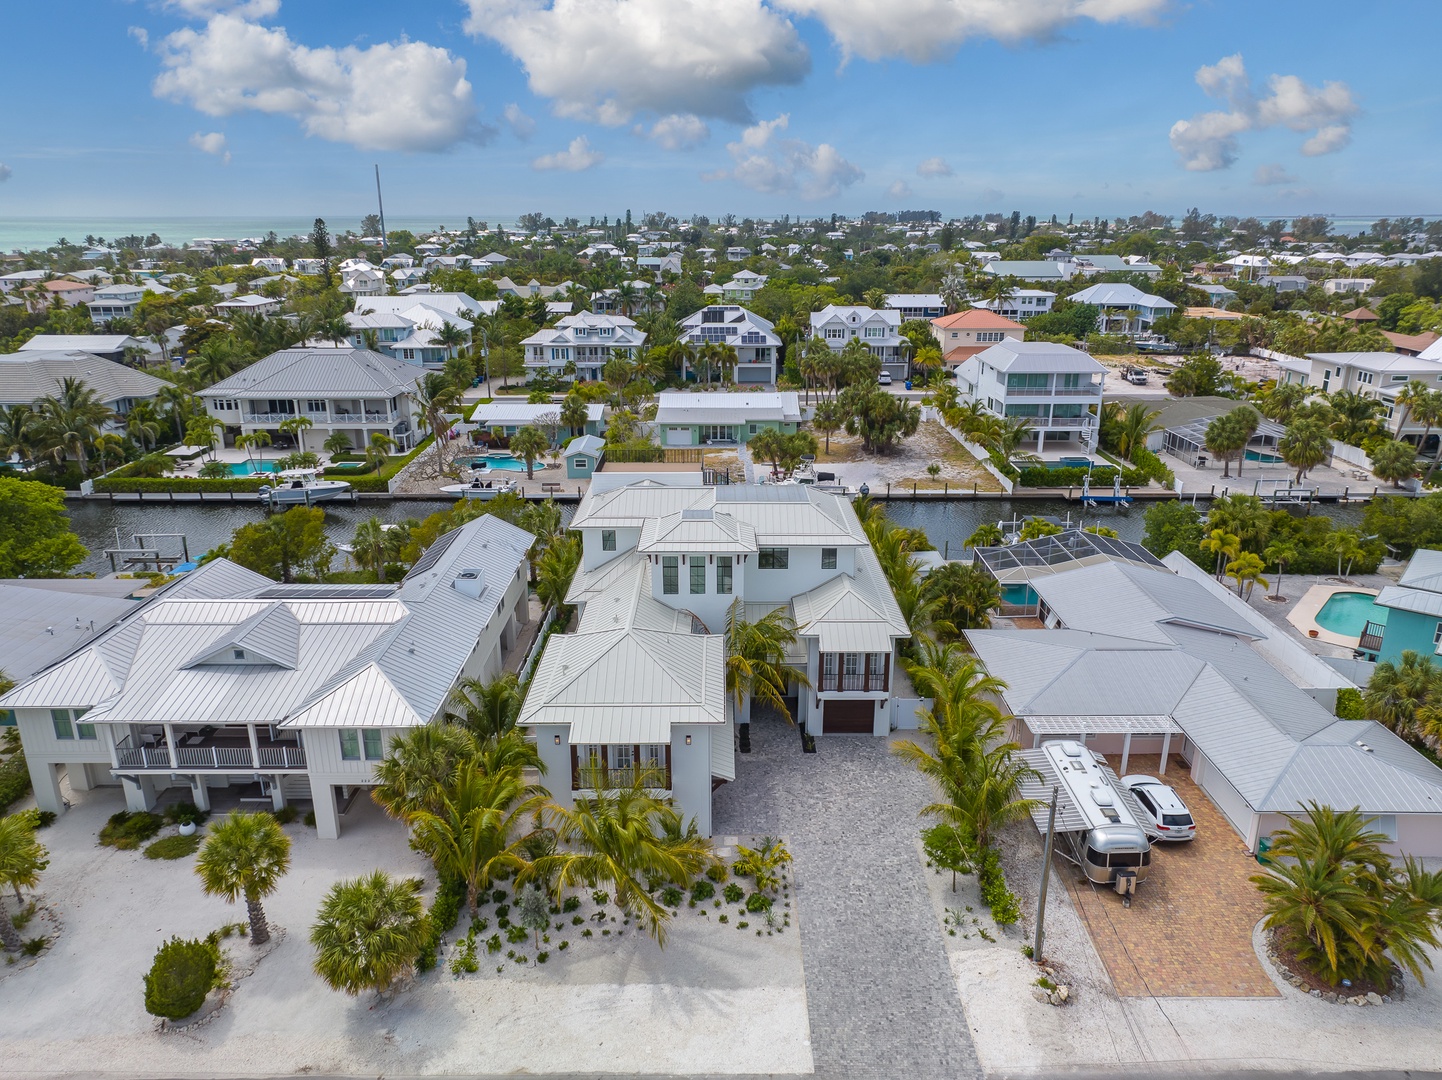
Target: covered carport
x,y
1122,735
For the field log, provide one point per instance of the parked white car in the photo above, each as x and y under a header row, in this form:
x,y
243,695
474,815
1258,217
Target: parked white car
x,y
1164,806
884,379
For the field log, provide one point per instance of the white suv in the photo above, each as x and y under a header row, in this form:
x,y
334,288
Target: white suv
x,y
1164,806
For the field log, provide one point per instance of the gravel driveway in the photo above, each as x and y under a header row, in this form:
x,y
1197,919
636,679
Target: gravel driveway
x,y
880,993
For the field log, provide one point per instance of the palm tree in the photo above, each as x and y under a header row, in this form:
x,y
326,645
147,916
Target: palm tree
x,y
756,665
575,414
245,855
1224,545
625,838
203,431
1393,460
378,449
529,443
107,443
476,829
487,709
1356,415
1305,446
19,435
434,394
22,859
828,417
142,424
1136,424
1246,570
369,932
1347,545
257,439
373,545
1226,439
418,765
964,595
70,420
337,442
555,568
1279,553
1399,688
450,337
296,427
987,534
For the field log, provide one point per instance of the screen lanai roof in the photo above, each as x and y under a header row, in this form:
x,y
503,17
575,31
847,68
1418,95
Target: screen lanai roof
x,y
1060,551
1194,432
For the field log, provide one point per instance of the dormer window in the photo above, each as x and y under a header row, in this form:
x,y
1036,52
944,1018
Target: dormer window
x,y
237,654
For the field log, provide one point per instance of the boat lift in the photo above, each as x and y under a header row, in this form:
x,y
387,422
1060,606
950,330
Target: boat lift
x,y
146,552
1116,498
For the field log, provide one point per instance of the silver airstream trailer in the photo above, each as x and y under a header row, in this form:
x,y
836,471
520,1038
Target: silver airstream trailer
x,y
1110,842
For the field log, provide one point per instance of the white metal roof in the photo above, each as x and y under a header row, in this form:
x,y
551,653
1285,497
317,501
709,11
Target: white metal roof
x,y
790,514
852,613
704,531
25,376
519,413
687,407
322,372
91,343
1039,356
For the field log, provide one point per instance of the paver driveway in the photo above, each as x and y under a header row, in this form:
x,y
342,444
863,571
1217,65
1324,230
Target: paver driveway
x,y
880,993
1188,933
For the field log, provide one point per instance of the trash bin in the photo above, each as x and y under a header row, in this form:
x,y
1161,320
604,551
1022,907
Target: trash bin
x,y
1264,845
908,384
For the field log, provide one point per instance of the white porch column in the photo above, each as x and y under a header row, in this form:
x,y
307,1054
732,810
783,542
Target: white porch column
x,y
327,821
170,744
199,791
1126,751
1040,440
78,773
277,797
45,779
1166,750
254,746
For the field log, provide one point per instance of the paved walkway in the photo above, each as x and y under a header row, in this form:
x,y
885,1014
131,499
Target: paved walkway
x,y
880,992
1188,932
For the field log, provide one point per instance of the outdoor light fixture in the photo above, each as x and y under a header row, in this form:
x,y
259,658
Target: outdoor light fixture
x,y
558,740
688,740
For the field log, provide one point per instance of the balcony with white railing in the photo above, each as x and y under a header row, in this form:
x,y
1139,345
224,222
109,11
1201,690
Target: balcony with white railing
x,y
194,750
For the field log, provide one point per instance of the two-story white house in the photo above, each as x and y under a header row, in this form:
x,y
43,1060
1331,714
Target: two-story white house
x,y
586,340
231,687
249,304
1379,375
116,302
1125,309
1055,388
641,683
758,348
878,330
409,332
1019,304
354,391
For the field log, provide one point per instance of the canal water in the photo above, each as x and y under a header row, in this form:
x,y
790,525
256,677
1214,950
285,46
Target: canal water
x,y
947,524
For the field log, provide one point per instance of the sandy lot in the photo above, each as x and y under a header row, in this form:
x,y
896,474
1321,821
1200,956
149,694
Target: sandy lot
x,y
715,1000
907,462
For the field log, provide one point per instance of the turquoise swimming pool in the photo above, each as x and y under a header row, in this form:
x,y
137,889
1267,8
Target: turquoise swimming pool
x,y
251,468
500,463
1348,613
1265,458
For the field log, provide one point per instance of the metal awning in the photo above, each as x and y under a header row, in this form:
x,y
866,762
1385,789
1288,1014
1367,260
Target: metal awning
x,y
1068,816
1101,725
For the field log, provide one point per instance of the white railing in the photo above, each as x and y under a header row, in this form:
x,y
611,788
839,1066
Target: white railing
x,y
209,757
534,652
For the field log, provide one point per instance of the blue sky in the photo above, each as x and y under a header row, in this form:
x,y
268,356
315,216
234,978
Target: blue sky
x,y
496,107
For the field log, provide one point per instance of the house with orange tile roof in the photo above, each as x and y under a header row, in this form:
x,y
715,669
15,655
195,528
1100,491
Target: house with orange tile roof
x,y
966,333
40,296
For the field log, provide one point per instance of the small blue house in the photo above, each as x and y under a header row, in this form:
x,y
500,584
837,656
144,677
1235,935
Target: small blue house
x,y
1414,609
583,456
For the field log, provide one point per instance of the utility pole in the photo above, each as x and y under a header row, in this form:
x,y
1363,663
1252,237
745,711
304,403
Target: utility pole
x,y
382,208
1045,880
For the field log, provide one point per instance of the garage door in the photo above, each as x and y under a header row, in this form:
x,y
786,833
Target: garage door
x,y
678,436
1227,798
848,718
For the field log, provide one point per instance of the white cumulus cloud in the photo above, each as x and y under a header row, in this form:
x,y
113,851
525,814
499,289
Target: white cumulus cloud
x,y
204,9
899,189
521,125
932,29
679,131
1209,141
1271,174
140,34
211,143
606,60
933,166
575,158
403,95
764,162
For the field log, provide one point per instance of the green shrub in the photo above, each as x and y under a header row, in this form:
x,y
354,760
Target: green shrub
x,y
758,902
445,910
600,897
185,813
1349,704
132,484
174,847
1005,907
35,946
1005,467
39,819
672,896
503,911
498,896
180,977
14,780
378,481
542,957
1041,476
285,815
733,893
570,904
702,890
517,934
717,872
21,919
309,818
127,831
493,943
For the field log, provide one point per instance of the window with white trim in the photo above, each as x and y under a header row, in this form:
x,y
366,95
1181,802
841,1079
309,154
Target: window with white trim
x,y
608,537
698,575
